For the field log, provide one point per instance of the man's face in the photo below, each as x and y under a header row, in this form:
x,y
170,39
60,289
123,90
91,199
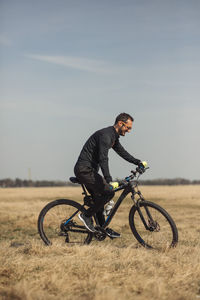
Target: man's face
x,y
125,127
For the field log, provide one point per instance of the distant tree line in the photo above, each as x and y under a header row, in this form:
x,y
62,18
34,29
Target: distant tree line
x,y
30,183
47,183
175,181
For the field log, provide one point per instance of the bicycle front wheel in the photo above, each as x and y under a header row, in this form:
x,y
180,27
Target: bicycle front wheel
x,y
152,226
58,223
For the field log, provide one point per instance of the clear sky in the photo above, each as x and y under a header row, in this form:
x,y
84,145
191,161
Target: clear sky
x,y
68,68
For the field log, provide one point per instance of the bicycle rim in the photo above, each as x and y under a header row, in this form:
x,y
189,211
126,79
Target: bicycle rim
x,y
59,224
161,233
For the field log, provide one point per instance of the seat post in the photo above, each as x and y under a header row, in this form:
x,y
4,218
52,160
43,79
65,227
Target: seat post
x,y
84,190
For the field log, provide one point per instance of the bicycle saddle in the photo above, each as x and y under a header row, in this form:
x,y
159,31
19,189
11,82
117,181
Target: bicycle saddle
x,y
74,180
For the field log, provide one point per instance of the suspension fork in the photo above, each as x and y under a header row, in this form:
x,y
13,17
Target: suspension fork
x,y
141,199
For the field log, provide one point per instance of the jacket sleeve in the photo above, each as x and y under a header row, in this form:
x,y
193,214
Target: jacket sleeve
x,y
104,146
124,154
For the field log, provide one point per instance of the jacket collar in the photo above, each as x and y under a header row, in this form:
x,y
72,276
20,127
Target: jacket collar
x,y
116,134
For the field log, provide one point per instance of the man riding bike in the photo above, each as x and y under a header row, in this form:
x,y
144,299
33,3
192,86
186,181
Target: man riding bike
x,y
94,155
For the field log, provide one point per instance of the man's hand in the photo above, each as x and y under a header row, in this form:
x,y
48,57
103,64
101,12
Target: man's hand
x,y
114,184
141,167
144,163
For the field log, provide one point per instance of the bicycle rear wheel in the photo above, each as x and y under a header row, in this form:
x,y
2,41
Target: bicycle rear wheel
x,y
161,231
58,223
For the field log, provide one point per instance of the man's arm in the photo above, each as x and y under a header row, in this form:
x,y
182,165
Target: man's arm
x,y
104,145
124,154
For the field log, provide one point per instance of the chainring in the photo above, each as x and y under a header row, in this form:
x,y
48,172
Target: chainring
x,y
100,236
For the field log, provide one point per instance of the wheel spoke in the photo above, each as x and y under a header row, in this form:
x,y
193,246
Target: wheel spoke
x,y
161,232
60,224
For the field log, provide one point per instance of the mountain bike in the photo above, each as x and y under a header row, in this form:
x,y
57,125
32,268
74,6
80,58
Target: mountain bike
x,y
151,225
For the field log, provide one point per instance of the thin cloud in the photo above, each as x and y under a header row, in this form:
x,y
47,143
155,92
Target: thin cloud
x,y
4,41
78,63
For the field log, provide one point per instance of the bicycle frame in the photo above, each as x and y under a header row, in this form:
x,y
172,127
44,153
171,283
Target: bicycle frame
x,y
145,218
128,187
123,195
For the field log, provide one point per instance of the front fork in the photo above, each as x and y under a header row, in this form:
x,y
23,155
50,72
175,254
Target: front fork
x,y
137,204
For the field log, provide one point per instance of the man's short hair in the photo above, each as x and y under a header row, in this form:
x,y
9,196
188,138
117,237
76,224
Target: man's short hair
x,y
123,117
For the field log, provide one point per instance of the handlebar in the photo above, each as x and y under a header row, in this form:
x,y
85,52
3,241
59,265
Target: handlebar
x,y
134,173
127,179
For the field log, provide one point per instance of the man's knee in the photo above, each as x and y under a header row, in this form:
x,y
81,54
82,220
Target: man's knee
x,y
109,195
104,196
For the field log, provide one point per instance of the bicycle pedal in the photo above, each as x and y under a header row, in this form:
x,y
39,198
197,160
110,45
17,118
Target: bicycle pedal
x,y
103,231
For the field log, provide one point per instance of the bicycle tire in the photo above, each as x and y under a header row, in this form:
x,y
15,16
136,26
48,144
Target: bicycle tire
x,y
163,234
51,222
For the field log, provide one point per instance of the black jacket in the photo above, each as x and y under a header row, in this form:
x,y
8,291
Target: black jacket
x,y
95,151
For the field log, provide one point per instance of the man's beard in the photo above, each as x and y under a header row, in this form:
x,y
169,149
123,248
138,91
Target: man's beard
x,y
120,130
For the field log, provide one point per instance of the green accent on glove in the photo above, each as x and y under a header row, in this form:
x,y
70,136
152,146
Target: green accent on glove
x,y
114,184
144,164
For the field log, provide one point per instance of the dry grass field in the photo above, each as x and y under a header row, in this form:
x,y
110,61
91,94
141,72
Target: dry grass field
x,y
112,269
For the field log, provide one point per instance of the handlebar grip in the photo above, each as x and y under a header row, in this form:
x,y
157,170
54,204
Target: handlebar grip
x,y
140,170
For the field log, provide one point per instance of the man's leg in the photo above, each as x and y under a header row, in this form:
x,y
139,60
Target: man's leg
x,y
101,193
100,214
100,217
98,187
99,202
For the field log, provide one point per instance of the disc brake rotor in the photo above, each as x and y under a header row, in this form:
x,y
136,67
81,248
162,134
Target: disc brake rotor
x,y
153,225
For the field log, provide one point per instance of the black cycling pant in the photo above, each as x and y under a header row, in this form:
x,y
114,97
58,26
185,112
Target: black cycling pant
x,y
97,187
